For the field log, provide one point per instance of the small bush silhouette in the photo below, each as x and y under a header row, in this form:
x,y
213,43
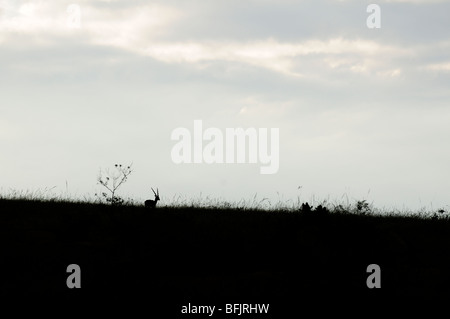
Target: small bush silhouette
x,y
309,211
321,210
306,208
363,207
440,214
112,182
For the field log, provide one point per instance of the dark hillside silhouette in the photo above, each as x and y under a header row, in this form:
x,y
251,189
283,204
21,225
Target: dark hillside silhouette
x,y
179,255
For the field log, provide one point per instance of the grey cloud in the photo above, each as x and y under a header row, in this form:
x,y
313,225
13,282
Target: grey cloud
x,y
299,20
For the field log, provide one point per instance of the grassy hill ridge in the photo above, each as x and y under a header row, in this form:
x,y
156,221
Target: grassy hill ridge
x,y
189,253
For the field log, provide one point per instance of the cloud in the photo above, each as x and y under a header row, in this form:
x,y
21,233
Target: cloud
x,y
440,67
140,28
147,30
360,55
122,23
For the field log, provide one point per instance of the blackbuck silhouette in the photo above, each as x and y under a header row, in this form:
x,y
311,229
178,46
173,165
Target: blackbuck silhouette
x,y
149,203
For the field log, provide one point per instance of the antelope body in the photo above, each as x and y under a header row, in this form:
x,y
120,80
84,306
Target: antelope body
x,y
149,203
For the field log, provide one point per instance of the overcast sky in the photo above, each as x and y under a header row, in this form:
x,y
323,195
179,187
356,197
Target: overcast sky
x,y
362,113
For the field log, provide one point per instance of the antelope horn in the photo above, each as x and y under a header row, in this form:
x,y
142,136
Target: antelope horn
x,y
153,191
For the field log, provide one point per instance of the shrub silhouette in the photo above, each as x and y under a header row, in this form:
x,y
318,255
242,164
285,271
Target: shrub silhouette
x,y
321,210
363,207
306,208
112,182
